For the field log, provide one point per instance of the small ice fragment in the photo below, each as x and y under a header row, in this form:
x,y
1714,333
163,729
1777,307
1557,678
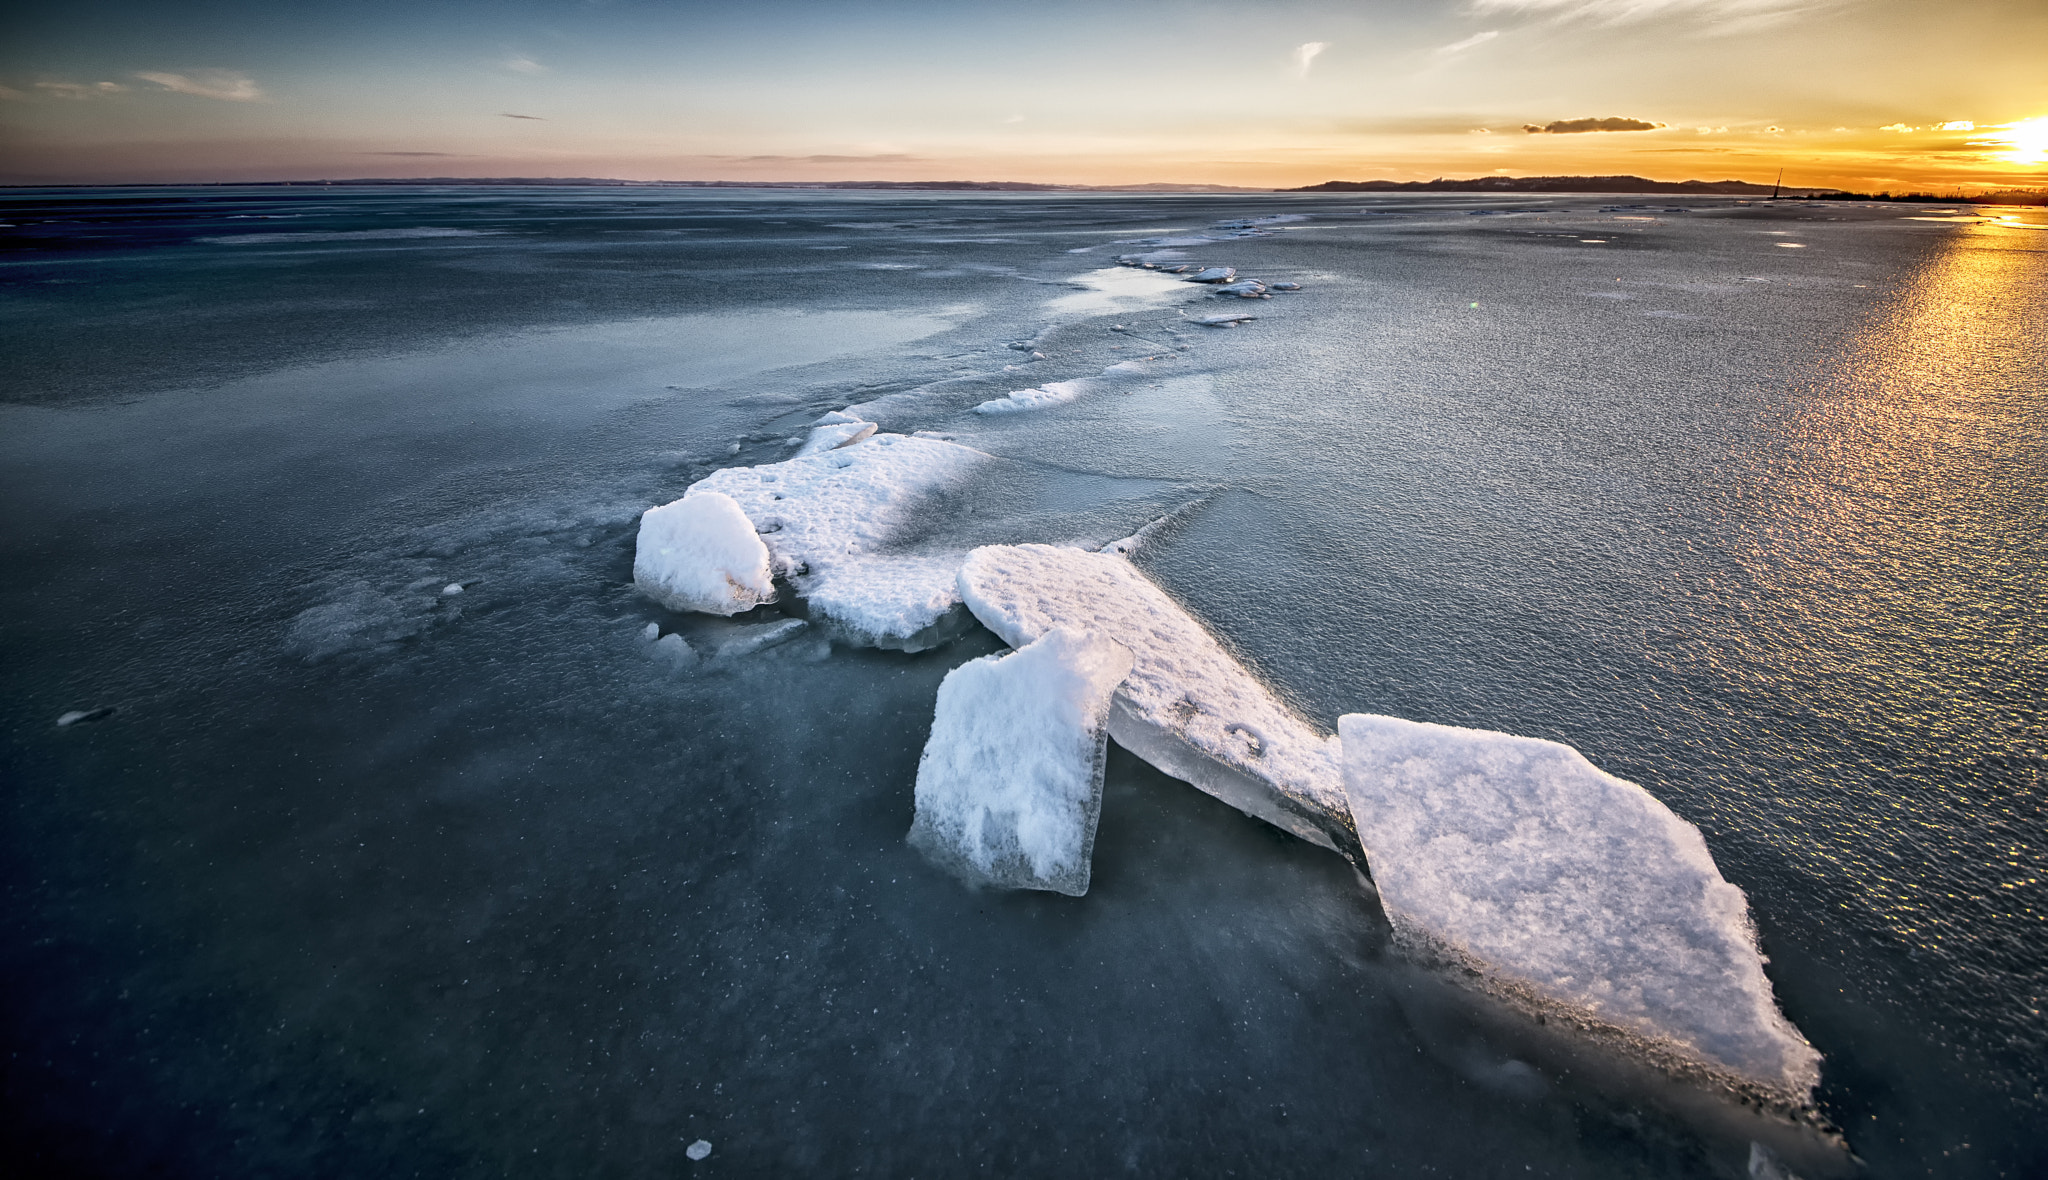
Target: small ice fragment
x,y
1246,287
1214,274
830,436
698,1150
451,588
1187,707
1010,785
76,716
753,639
734,449
1285,286
675,647
1567,886
651,631
1222,321
701,553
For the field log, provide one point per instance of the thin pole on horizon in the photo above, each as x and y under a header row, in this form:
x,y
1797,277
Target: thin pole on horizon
x,y
1777,184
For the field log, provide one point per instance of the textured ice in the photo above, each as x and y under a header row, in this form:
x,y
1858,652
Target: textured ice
x,y
1187,707
834,430
825,518
1010,785
1569,887
700,553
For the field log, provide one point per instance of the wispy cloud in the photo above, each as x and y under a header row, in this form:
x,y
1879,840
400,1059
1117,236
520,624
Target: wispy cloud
x,y
519,63
510,115
1475,39
1581,126
1305,55
408,153
1728,15
77,89
226,85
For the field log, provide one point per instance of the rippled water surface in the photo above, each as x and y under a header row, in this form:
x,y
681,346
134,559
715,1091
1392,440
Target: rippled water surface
x,y
359,877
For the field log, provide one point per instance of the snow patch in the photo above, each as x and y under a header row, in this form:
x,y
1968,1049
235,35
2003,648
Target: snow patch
x,y
700,553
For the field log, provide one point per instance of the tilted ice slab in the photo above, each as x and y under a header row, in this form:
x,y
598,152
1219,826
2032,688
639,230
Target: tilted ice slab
x,y
1187,707
823,519
1569,889
834,430
1010,785
701,553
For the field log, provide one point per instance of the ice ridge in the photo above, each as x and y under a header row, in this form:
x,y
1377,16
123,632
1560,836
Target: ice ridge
x,y
1187,706
1570,890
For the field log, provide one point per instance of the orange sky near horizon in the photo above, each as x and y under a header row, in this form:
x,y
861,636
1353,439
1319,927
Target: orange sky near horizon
x,y
1867,95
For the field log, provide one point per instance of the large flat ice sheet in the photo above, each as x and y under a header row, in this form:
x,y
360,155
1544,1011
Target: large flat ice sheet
x,y
1010,786
1568,886
1187,707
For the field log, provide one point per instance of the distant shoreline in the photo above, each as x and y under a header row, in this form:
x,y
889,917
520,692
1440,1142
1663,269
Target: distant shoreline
x,y
1506,185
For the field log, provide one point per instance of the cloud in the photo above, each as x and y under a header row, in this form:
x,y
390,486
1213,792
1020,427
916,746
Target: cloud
x,y
1577,126
1728,15
519,63
510,115
76,89
890,158
1901,128
1305,56
1956,125
225,85
1469,42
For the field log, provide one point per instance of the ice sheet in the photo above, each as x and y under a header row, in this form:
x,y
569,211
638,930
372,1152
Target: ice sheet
x,y
1010,785
700,553
1187,707
1569,887
824,519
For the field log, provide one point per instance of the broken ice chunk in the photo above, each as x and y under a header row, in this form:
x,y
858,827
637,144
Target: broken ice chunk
x,y
830,435
1214,274
1188,708
76,716
1226,320
1571,890
700,553
1010,786
675,648
1246,288
701,1149
823,518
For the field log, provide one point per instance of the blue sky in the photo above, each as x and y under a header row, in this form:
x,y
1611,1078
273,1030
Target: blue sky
x,y
1871,93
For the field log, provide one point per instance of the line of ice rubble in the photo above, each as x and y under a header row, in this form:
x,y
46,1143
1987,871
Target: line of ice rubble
x,y
1059,393
1568,890
818,520
1009,789
1187,707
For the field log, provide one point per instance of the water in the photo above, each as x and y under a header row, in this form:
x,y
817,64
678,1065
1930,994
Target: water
x,y
360,878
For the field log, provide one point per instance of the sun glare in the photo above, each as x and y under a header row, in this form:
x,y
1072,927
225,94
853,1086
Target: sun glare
x,y
2025,142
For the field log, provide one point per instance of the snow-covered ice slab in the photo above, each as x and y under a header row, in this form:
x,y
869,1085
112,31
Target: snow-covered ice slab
x,y
700,553
1569,891
834,430
1010,786
823,519
1187,707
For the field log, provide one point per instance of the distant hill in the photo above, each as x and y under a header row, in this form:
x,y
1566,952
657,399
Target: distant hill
x,y
1549,184
998,186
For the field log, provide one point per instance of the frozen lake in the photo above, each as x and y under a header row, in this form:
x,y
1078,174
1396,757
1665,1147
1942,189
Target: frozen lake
x,y
362,876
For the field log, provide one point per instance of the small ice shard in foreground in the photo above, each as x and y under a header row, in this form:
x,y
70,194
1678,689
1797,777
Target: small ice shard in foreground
x,y
1214,274
1226,320
749,639
1244,288
451,588
1052,393
1010,785
1187,707
76,716
1570,891
701,1149
1285,286
700,553
675,648
824,518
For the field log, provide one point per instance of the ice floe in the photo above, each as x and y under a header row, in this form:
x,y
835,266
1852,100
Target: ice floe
x,y
1010,785
1570,890
822,521
1187,706
701,553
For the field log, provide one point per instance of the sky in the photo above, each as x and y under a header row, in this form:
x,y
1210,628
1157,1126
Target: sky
x,y
1871,95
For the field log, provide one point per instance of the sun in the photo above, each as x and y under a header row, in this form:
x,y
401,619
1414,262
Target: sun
x,y
2025,142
